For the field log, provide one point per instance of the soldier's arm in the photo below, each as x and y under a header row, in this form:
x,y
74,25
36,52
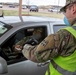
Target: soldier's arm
x,y
42,52
50,47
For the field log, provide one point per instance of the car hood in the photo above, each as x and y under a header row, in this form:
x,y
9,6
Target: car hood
x,y
15,19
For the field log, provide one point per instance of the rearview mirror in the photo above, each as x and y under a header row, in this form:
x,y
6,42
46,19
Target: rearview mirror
x,y
3,66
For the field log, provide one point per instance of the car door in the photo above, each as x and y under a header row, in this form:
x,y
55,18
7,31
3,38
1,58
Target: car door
x,y
17,63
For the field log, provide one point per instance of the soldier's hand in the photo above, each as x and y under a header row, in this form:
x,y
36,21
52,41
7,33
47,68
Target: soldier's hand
x,y
18,47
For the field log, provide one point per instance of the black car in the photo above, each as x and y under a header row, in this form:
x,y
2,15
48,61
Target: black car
x,y
11,6
34,8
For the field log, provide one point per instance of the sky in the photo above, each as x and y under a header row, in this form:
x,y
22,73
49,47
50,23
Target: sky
x,y
39,2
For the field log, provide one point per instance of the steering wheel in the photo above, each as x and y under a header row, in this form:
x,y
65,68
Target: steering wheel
x,y
32,41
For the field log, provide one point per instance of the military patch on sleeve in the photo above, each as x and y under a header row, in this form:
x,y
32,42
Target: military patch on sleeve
x,y
44,43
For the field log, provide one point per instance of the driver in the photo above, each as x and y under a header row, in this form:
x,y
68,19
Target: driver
x,y
37,35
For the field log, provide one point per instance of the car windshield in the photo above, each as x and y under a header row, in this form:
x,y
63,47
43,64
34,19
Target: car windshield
x,y
4,28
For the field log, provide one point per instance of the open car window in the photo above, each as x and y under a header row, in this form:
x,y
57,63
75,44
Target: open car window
x,y
8,52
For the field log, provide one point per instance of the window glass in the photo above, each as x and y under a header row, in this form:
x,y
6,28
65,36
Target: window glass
x,y
4,28
57,27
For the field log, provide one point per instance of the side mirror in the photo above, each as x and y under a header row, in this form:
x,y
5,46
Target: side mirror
x,y
3,66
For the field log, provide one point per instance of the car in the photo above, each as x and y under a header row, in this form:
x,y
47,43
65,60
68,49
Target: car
x,y
24,7
34,8
1,5
54,10
12,30
11,6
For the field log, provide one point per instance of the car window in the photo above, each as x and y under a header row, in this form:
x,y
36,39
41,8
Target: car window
x,y
8,51
4,28
58,27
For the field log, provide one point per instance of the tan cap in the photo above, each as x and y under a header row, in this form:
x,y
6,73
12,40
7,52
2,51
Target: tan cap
x,y
68,2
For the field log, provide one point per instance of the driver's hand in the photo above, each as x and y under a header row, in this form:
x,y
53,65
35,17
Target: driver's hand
x,y
18,47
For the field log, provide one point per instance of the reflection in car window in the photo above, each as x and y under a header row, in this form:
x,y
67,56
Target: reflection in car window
x,y
57,27
4,28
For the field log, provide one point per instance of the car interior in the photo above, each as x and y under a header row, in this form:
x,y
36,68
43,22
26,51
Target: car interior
x,y
7,47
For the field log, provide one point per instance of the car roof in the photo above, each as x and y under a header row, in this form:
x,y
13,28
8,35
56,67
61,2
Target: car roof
x,y
16,20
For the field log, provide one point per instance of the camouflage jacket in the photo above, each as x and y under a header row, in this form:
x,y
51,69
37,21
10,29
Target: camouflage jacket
x,y
61,43
22,42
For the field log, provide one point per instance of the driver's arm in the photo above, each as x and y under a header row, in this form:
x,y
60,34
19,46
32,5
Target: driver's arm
x,y
22,41
19,45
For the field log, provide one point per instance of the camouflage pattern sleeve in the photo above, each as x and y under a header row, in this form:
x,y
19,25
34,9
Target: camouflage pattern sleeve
x,y
62,43
67,43
22,42
42,52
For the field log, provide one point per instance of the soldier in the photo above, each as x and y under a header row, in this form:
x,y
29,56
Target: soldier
x,y
36,36
59,48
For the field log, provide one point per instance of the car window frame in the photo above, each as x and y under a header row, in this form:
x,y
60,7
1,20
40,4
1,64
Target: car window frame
x,y
18,31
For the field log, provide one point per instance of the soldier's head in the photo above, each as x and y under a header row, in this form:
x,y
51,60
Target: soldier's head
x,y
69,11
38,33
68,3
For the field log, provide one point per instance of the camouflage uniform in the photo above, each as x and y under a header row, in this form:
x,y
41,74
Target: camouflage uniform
x,y
22,42
36,35
62,43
